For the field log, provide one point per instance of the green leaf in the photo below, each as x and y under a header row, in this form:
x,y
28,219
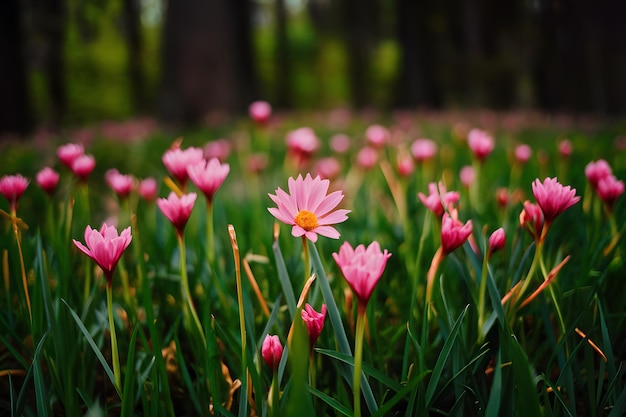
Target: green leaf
x,y
400,394
43,403
128,404
336,405
283,277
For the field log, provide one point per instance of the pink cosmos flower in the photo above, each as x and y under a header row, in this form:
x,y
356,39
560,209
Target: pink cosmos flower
x,y
609,189
272,351
376,135
481,143
523,153
596,170
308,209
83,166
565,148
69,152
531,218
314,322
423,149
148,189
438,199
367,157
48,179
497,240
105,247
362,268
219,149
340,143
553,197
177,209
12,187
121,184
177,160
208,176
453,233
327,168
467,175
260,111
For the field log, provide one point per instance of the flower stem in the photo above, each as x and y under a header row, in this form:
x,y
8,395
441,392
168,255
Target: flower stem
x,y
307,260
358,360
114,352
275,395
242,319
185,288
210,238
482,295
18,239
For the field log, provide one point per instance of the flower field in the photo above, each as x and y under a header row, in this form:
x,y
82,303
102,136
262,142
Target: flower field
x,y
316,265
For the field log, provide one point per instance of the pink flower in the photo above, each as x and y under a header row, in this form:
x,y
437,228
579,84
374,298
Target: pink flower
x,y
83,166
596,170
423,149
453,233
553,198
272,351
69,152
523,153
565,148
121,184
314,322
405,165
367,157
148,189
177,160
303,142
327,168
260,111
531,218
502,197
438,199
12,187
105,247
257,162
219,149
340,143
609,189
362,268
48,179
481,143
376,135
308,209
467,175
177,209
208,176
497,240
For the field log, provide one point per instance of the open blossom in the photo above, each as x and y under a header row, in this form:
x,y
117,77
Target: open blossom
x,y
438,198
177,209
523,153
314,322
12,187
177,160
453,233
208,176
480,143
69,152
260,111
553,197
609,189
148,189
308,209
531,218
376,135
362,268
105,247
596,170
83,166
423,149
121,184
48,179
272,351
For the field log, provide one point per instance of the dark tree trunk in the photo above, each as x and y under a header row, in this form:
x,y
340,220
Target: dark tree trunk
x,y
53,18
246,71
283,65
14,102
200,73
132,18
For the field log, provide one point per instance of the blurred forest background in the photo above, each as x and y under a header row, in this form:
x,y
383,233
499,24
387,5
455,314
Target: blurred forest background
x,y
68,63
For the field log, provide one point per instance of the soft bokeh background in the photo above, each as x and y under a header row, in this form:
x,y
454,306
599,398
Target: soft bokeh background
x,y
69,63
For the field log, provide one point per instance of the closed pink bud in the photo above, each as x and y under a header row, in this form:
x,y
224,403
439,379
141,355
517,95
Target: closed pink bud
x,y
467,175
260,111
314,322
148,189
367,158
340,143
48,179
69,152
121,184
497,240
272,351
565,148
376,135
596,170
531,218
523,153
12,187
83,166
423,149
609,189
453,233
480,143
405,165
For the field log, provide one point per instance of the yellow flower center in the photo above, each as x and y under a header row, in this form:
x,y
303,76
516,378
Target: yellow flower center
x,y
306,220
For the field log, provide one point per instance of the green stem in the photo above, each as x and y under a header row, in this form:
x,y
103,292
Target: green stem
x,y
185,289
275,395
307,260
358,360
531,271
210,235
18,239
242,319
114,352
482,295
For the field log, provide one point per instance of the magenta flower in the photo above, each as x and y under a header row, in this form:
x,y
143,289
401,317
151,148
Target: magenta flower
x,y
362,268
83,166
553,197
260,111
69,152
148,189
497,240
105,247
481,143
523,153
596,170
565,148
220,149
609,189
453,233
12,187
308,209
177,209
376,135
367,157
405,165
531,218
438,199
314,322
48,179
208,176
121,184
177,160
272,351
423,149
